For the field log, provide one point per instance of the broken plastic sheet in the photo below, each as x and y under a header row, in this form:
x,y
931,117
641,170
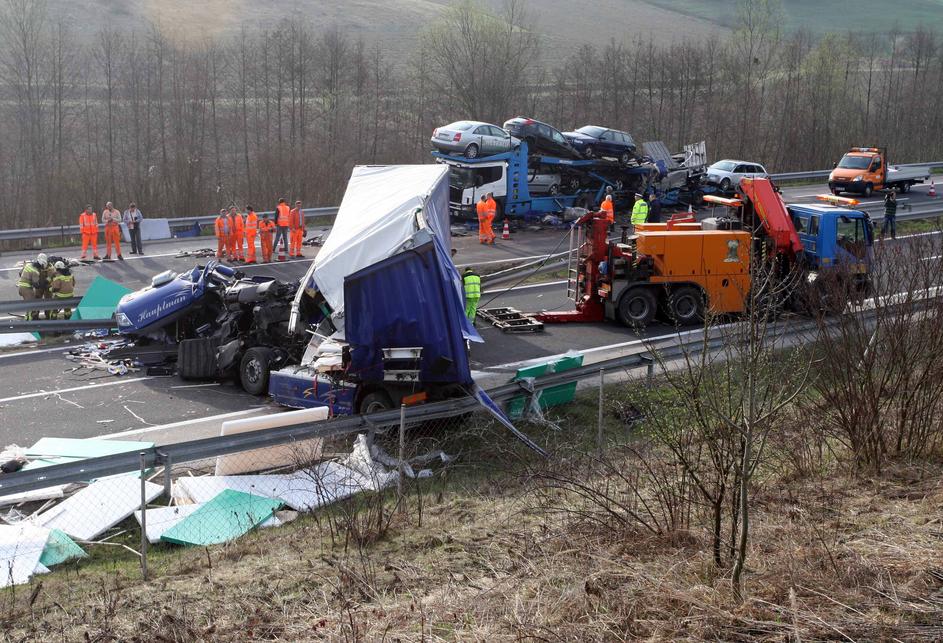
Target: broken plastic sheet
x,y
225,517
16,339
21,547
499,415
376,217
98,507
50,448
60,549
160,519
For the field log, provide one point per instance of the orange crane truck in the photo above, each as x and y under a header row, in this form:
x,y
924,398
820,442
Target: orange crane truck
x,y
685,269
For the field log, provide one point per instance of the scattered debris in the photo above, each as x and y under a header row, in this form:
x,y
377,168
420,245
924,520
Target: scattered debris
x,y
201,253
98,507
271,457
16,339
511,320
227,516
21,547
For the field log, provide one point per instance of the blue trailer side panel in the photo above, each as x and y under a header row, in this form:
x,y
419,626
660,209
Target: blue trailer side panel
x,y
408,300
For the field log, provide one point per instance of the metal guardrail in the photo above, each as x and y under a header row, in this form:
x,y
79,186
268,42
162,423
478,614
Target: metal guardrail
x,y
38,304
821,174
64,231
93,468
54,325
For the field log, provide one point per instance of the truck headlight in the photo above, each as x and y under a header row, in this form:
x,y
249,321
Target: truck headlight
x,y
860,177
122,319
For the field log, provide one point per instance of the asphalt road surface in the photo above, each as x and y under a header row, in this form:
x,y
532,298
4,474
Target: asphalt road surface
x,y
39,396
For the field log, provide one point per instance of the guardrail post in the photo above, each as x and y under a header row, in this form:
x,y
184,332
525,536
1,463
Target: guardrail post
x,y
402,451
144,514
168,472
599,432
649,372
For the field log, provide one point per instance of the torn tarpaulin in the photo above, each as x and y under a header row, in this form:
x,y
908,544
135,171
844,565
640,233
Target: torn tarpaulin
x,y
499,415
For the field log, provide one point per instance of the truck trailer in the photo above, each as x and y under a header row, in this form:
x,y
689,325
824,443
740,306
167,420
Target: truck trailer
x,y
685,269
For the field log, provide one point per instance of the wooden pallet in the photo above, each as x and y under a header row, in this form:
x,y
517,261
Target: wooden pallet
x,y
511,320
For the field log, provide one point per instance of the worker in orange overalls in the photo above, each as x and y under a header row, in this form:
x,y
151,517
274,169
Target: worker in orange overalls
x,y
492,212
297,233
88,226
222,234
481,208
608,208
239,233
282,224
252,229
266,232
111,219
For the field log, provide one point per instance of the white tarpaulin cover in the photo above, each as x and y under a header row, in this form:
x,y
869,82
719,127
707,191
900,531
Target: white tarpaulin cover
x,y
376,219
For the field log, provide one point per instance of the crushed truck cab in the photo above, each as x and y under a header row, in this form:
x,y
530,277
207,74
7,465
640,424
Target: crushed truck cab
x,y
684,269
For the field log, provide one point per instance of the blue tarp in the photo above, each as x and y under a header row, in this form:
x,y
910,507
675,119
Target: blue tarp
x,y
411,299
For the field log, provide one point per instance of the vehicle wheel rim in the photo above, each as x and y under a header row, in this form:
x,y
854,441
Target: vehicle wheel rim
x,y
253,371
625,159
471,152
374,407
685,307
638,308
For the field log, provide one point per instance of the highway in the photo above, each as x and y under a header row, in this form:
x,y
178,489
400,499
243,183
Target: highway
x,y
39,397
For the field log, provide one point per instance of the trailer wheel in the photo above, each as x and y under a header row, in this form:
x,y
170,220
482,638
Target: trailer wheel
x,y
196,358
686,306
375,402
637,308
254,370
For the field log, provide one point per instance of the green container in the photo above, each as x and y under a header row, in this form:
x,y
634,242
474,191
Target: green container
x,y
553,396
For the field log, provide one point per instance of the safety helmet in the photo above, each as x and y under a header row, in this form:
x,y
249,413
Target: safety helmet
x,y
42,259
60,265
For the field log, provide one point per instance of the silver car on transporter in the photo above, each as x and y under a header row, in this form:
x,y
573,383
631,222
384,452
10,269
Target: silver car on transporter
x,y
472,139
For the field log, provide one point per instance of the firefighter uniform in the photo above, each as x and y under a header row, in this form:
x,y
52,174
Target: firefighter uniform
x,y
32,283
62,286
472,283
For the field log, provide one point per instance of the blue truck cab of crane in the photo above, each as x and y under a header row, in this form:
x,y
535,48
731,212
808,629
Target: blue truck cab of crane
x,y
834,237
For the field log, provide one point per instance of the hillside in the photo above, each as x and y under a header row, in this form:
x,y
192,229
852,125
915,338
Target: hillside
x,y
394,23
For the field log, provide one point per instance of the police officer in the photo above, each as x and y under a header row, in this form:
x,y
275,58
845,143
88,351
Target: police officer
x,y
639,210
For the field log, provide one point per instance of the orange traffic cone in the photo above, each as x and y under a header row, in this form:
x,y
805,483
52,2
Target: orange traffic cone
x,y
506,233
690,209
932,191
281,252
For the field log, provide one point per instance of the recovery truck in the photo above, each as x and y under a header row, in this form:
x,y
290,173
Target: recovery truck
x,y
685,268
865,169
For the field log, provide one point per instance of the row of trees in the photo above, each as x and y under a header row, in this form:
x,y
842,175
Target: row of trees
x,y
184,127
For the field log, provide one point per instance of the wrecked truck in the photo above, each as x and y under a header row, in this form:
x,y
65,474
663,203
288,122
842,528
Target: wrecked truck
x,y
216,322
377,321
382,302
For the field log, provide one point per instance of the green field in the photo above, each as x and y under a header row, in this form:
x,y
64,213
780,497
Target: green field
x,y
818,16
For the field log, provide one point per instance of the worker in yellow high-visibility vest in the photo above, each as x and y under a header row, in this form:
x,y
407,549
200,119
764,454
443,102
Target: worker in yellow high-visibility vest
x,y
472,293
639,210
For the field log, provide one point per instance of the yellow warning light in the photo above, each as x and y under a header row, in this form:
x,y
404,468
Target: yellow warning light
x,y
836,200
719,200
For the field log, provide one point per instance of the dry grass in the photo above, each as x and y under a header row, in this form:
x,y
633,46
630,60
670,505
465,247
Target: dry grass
x,y
833,558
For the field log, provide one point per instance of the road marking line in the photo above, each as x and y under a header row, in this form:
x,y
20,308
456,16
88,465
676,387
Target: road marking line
x,y
35,352
71,390
176,425
524,287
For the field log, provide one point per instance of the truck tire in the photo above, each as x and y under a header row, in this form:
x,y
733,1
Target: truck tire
x,y
686,306
637,308
868,190
375,402
254,370
196,358
904,188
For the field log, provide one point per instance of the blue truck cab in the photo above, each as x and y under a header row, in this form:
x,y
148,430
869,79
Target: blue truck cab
x,y
834,237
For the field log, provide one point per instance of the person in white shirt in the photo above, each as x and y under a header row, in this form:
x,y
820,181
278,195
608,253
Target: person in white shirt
x,y
132,218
